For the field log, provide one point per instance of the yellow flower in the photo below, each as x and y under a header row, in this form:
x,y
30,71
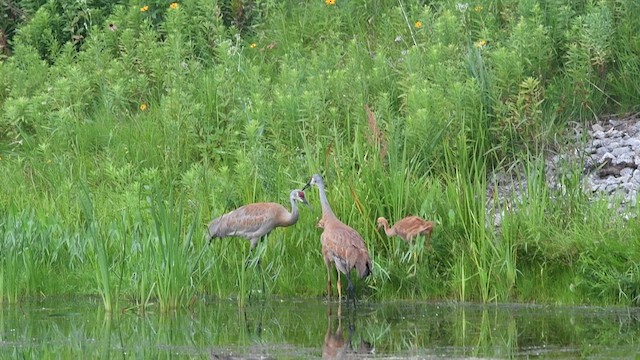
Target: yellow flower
x,y
144,8
478,8
480,44
174,5
143,107
418,24
330,2
253,46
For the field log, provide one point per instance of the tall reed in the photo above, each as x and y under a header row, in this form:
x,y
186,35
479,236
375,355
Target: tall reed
x,y
174,261
99,260
404,108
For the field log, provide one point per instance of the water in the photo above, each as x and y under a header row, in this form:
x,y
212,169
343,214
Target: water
x,y
72,328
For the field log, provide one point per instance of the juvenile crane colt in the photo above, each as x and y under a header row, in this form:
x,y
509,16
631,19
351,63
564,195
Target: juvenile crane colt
x,y
408,228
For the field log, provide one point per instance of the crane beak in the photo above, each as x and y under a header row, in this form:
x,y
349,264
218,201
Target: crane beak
x,y
304,201
306,186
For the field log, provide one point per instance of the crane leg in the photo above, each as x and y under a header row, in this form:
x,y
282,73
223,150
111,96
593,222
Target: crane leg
x,y
351,291
247,262
339,287
255,263
327,263
253,249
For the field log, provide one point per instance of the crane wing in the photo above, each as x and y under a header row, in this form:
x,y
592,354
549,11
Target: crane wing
x,y
346,248
412,226
253,220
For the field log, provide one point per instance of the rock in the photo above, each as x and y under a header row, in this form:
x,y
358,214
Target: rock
x,y
622,151
633,143
626,172
605,157
599,134
625,160
601,151
611,145
610,157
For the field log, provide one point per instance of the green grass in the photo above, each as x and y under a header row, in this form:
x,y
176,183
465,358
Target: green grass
x,y
175,117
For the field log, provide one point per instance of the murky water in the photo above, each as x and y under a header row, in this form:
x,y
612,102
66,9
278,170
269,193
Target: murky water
x,y
312,328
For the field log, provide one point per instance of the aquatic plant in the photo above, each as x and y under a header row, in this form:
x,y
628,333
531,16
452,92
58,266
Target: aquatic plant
x,y
404,109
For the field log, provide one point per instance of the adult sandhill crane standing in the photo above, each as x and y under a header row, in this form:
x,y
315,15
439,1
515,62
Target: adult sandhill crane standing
x,y
255,221
408,229
341,245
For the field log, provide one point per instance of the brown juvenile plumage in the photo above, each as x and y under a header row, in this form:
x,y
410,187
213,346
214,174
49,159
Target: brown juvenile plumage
x,y
341,245
253,221
408,228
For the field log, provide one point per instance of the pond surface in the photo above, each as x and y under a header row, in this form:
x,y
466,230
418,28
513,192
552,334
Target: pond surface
x,y
312,328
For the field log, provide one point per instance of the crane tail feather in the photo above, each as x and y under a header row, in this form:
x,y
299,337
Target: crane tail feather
x,y
364,268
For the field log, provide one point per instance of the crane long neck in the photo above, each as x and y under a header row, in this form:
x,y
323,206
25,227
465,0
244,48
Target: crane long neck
x,y
387,230
293,216
324,202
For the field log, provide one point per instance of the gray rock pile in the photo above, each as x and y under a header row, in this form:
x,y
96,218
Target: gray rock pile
x,y
612,164
607,158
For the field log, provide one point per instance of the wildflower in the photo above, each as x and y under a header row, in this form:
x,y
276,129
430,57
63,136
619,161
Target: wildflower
x,y
144,8
478,8
418,24
143,107
462,7
174,5
253,45
480,44
330,2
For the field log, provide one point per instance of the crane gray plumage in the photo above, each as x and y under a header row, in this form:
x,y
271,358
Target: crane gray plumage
x,y
341,245
254,221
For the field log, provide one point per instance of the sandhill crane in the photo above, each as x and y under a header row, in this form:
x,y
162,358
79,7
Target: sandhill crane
x,y
335,345
341,245
255,221
408,228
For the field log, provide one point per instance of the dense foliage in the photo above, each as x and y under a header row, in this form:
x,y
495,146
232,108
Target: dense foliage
x,y
125,127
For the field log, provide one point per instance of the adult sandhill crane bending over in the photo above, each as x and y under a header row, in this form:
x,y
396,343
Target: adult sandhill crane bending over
x,y
255,221
341,245
408,228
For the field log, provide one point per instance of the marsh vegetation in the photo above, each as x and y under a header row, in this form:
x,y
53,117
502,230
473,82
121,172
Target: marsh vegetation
x,y
126,127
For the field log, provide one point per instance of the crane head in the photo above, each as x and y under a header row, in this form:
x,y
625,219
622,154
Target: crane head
x,y
298,195
381,222
316,180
